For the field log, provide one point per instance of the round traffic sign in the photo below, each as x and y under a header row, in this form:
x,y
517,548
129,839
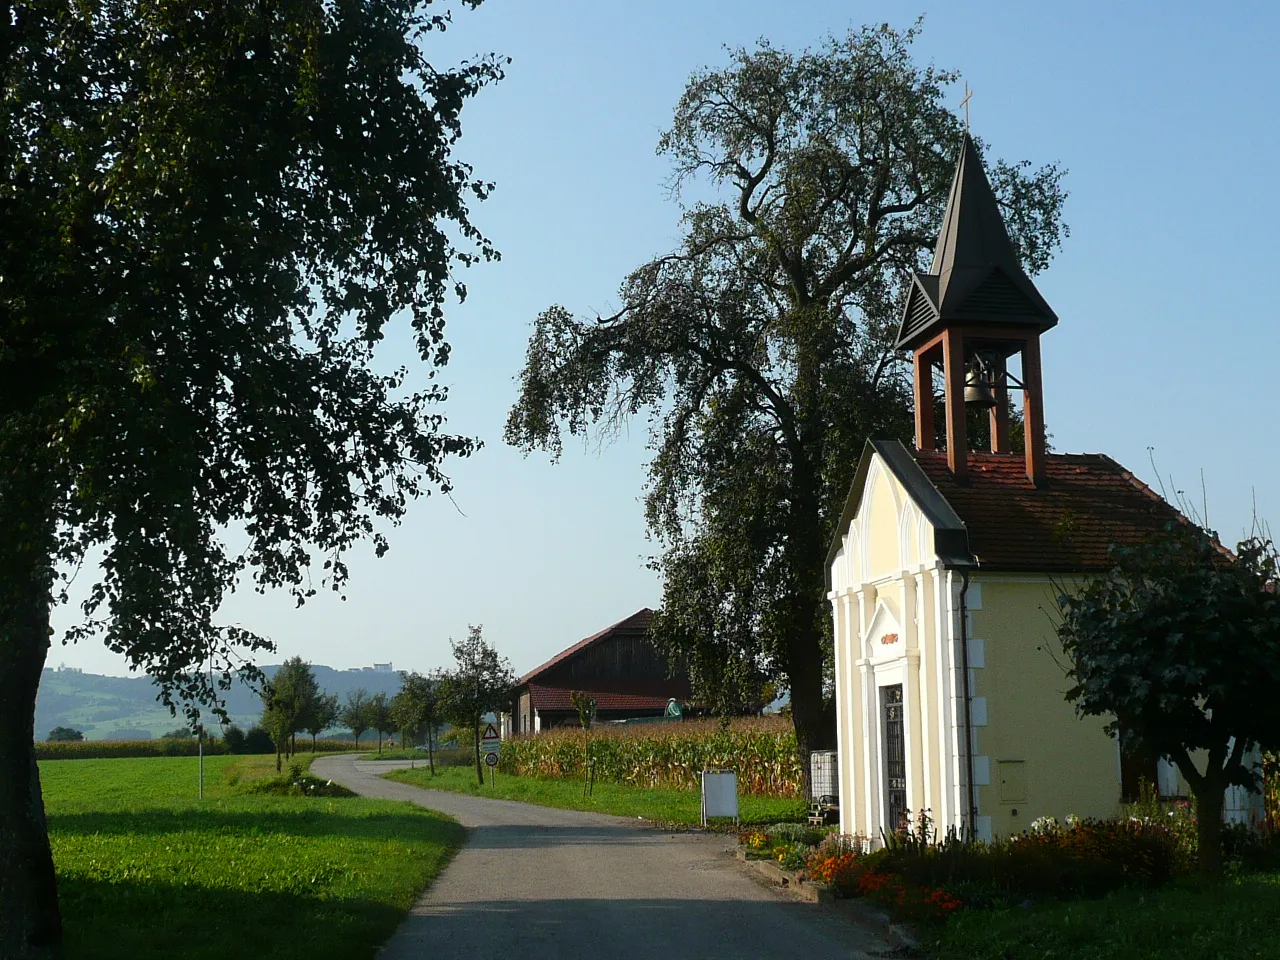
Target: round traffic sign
x,y
491,759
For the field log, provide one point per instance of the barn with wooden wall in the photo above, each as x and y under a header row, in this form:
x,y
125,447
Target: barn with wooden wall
x,y
619,667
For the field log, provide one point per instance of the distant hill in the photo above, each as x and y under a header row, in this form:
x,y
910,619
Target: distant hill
x,y
119,708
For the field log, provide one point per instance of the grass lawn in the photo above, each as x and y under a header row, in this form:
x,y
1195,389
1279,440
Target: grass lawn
x,y
672,806
1240,919
145,870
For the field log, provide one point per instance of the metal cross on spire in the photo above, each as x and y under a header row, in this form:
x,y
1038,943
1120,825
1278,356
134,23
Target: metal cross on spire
x,y
965,103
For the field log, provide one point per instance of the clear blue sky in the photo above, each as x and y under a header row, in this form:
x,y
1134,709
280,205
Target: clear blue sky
x,y
1162,112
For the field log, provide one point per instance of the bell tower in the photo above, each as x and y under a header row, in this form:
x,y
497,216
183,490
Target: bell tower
x,y
974,310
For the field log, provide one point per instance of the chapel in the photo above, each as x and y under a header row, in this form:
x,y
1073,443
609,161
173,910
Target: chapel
x,y
944,569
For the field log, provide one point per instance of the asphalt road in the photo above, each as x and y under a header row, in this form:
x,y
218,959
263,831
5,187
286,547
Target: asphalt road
x,y
536,882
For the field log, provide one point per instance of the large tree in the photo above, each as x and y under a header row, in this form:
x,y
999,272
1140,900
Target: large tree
x,y
762,348
1178,645
480,683
211,212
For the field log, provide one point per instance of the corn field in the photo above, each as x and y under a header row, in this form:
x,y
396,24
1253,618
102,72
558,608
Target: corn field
x,y
762,752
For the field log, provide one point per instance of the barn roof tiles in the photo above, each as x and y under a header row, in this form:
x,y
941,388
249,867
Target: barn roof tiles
x,y
558,698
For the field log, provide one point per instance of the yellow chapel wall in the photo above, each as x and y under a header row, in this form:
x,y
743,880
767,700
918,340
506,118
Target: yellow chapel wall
x,y
1070,766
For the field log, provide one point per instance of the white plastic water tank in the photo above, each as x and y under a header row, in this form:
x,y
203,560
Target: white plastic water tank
x,y
823,780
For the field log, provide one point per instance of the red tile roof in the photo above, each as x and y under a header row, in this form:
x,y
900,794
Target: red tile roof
x,y
1088,503
637,622
556,698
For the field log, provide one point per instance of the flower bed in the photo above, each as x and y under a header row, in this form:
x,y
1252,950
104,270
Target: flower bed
x,y
920,877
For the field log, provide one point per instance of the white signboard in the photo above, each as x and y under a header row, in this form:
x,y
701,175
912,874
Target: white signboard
x,y
719,794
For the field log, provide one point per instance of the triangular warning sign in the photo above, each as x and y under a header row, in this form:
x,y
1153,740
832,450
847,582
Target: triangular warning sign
x,y
490,733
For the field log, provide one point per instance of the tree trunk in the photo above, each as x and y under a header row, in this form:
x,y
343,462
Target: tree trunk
x,y
808,710
379,743
313,743
30,923
431,760
475,729
1209,803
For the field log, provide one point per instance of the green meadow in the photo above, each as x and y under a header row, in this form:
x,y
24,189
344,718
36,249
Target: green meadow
x,y
662,805
147,870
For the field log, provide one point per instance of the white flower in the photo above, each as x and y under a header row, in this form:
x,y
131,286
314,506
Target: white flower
x,y
1044,825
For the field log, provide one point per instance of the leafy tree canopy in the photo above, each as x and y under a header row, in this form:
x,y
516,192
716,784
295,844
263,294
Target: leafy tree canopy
x,y
65,734
761,349
212,213
355,715
1179,644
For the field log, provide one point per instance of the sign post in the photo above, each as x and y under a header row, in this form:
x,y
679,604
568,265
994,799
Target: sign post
x,y
490,744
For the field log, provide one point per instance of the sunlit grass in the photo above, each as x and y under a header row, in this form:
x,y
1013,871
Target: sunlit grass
x,y
146,869
669,806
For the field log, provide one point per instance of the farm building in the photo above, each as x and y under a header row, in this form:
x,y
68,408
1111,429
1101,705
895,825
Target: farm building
x,y
619,668
944,569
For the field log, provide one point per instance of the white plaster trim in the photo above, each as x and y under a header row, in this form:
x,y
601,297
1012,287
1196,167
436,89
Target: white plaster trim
x,y
926,693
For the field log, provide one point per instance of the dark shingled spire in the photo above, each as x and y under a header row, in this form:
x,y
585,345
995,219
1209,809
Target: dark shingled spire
x,y
975,276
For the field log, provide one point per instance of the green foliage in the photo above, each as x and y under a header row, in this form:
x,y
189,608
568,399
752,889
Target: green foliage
x,y
1235,920
763,752
762,348
258,740
417,708
234,738
65,734
223,207
1179,644
178,733
322,715
354,714
479,683
380,718
287,877
585,706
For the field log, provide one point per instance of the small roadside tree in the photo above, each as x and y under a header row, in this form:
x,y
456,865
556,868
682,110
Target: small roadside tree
x,y
288,700
479,684
322,715
380,717
355,713
415,710
65,734
1179,643
585,705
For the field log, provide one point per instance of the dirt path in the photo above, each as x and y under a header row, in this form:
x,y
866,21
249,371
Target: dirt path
x,y
536,882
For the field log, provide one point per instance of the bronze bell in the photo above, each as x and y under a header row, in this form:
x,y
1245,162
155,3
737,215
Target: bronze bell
x,y
977,387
